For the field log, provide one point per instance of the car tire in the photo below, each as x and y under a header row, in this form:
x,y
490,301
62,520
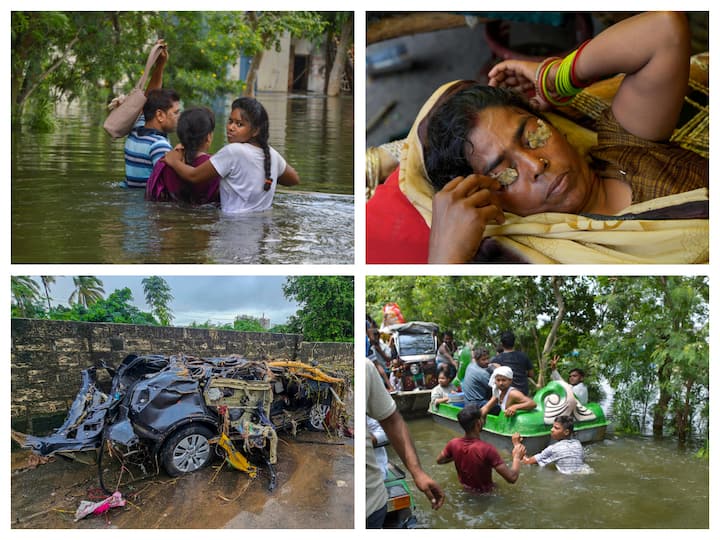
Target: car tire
x,y
316,418
187,450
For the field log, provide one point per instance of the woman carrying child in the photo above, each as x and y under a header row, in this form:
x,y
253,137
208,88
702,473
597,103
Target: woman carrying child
x,y
249,168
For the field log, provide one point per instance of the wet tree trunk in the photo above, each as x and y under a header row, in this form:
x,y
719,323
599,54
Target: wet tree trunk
x,y
663,403
338,67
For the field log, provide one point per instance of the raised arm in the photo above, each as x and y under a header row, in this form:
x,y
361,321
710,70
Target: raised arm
x,y
652,49
156,79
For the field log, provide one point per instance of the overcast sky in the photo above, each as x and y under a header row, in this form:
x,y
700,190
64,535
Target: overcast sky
x,y
218,299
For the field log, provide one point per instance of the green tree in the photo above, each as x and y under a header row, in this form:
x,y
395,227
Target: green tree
x,y
326,307
88,289
265,29
248,324
71,54
158,297
339,38
116,308
26,296
46,282
653,348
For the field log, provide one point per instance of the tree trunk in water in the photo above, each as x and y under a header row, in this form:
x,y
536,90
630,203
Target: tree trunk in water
x,y
338,67
663,402
252,75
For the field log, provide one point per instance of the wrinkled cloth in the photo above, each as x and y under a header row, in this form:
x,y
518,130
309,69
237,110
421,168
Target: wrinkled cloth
x,y
89,507
165,185
673,229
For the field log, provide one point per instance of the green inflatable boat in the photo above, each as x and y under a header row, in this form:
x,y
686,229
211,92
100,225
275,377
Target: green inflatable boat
x,y
534,426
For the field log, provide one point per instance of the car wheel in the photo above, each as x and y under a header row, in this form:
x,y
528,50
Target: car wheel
x,y
317,416
187,450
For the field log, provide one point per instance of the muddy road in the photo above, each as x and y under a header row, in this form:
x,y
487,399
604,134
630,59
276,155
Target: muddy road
x,y
315,490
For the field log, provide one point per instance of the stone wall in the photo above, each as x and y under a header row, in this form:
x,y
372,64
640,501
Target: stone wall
x,y
48,356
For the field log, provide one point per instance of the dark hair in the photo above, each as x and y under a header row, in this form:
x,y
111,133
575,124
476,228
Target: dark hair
x,y
257,117
579,371
194,125
480,351
469,414
507,339
159,99
567,422
446,145
444,369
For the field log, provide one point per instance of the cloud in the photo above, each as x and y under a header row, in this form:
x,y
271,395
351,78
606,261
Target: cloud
x,y
218,299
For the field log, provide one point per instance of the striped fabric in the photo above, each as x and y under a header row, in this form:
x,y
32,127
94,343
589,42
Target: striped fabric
x,y
143,148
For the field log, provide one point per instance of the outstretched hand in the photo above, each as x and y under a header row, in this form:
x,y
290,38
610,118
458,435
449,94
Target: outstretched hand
x,y
461,211
430,488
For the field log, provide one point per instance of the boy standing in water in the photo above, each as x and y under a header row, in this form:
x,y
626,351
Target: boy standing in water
x,y
566,452
475,459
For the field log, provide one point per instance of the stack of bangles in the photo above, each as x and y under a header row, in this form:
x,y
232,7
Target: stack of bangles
x,y
567,84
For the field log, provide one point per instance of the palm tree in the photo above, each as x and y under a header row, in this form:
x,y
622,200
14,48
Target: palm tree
x,y
88,290
47,281
26,293
157,295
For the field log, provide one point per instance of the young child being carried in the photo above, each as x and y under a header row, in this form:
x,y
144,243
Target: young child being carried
x,y
248,166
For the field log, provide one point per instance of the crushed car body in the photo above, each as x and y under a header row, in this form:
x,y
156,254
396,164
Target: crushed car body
x,y
174,411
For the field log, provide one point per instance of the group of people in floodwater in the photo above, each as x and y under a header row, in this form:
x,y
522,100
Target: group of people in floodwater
x,y
241,177
489,386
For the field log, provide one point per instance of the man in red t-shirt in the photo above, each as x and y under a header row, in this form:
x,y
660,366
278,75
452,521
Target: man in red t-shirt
x,y
475,459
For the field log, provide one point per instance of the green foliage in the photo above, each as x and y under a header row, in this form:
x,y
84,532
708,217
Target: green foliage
x,y
88,289
647,336
71,54
116,308
158,297
26,297
247,325
326,307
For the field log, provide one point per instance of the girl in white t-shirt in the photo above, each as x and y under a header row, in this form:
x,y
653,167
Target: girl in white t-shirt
x,y
248,166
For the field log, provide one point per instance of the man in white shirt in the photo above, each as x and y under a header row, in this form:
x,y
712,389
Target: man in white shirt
x,y
575,379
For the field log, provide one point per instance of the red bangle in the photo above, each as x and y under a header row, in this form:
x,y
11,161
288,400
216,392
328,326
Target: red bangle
x,y
573,78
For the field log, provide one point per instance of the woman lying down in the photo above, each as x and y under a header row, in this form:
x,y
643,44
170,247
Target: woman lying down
x,y
485,177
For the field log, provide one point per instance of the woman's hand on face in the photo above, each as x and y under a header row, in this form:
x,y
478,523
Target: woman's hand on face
x,y
460,211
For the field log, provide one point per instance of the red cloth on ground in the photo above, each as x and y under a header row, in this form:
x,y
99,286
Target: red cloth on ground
x,y
395,232
165,185
474,461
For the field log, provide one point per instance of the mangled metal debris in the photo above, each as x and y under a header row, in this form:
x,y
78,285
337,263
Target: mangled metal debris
x,y
178,411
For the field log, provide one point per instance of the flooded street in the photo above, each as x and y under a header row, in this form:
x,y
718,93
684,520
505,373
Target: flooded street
x,y
315,490
637,483
69,206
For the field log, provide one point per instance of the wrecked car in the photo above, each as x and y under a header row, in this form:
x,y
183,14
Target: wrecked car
x,y
177,411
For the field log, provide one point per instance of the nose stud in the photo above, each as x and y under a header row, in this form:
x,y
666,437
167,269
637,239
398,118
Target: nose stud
x,y
544,161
